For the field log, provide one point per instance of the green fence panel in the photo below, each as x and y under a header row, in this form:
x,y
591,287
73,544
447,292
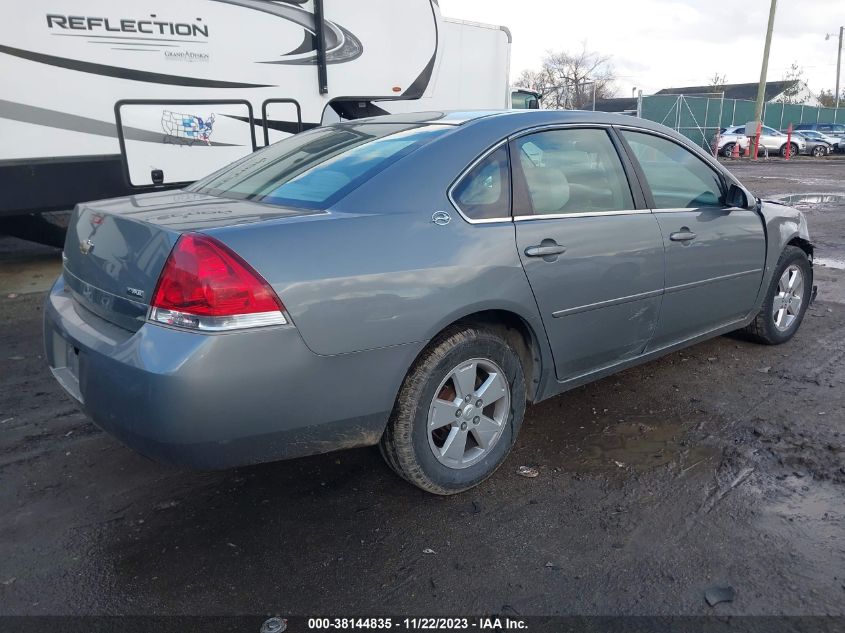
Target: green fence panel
x,y
773,115
793,114
660,108
826,115
692,119
744,112
727,113
699,118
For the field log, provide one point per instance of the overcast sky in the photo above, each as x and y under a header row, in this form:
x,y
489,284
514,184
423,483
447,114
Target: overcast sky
x,y
658,44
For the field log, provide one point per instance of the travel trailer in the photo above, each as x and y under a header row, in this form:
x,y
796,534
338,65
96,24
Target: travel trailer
x,y
103,99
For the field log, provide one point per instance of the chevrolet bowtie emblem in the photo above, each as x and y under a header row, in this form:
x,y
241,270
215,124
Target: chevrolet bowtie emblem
x,y
86,247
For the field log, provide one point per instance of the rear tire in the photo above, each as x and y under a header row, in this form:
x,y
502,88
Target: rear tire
x,y
436,391
785,305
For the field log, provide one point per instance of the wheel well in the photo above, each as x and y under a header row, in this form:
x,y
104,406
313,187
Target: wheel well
x,y
521,337
803,244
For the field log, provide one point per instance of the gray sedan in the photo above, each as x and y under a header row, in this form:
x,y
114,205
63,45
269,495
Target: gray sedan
x,y
410,281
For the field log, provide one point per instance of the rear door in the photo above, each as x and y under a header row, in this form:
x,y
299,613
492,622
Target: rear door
x,y
715,254
593,257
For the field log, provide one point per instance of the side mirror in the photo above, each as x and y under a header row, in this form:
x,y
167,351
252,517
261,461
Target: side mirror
x,y
736,197
533,104
157,176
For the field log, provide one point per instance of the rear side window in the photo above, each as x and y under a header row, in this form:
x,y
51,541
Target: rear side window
x,y
315,169
571,171
677,178
484,193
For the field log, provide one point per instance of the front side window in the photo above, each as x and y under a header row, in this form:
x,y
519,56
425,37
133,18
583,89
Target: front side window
x,y
572,171
678,178
315,169
484,193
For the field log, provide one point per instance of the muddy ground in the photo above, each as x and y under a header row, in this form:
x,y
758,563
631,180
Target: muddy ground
x,y
719,465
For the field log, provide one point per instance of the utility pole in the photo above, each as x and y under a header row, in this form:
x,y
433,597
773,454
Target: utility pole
x,y
761,89
839,64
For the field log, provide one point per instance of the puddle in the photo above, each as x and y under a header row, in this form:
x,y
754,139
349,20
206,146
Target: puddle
x,y
806,200
829,262
808,515
639,446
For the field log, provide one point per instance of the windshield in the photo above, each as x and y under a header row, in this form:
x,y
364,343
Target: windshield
x,y
315,169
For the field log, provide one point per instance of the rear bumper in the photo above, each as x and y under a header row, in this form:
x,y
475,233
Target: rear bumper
x,y
218,401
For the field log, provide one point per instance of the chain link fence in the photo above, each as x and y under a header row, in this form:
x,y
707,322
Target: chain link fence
x,y
700,118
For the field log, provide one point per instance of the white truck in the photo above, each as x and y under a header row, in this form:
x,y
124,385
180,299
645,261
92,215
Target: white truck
x,y
105,98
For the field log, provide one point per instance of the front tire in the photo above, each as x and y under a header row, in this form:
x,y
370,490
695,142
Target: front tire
x,y
458,412
793,152
787,299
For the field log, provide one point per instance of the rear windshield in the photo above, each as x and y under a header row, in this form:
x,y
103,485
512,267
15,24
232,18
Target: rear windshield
x,y
315,169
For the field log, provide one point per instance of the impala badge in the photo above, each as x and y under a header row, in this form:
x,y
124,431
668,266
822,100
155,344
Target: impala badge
x,y
441,218
135,292
86,247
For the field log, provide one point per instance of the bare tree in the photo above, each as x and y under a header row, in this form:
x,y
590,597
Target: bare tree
x,y
827,98
795,93
718,82
566,80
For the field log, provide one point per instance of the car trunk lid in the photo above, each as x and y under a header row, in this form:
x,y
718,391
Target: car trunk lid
x,y
116,249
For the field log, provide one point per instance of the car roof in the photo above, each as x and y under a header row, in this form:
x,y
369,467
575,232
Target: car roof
x,y
448,117
514,119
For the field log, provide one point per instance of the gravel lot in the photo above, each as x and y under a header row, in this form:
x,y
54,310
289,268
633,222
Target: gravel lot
x,y
723,464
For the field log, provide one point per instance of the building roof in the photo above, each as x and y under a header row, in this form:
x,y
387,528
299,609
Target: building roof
x,y
734,91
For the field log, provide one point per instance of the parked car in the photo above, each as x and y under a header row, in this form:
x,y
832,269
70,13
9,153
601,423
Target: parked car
x,y
835,130
724,142
816,146
411,281
834,142
770,139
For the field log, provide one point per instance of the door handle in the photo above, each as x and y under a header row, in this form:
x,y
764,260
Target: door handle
x,y
548,248
684,235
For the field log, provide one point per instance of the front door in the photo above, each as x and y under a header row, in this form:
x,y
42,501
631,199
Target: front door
x,y
714,254
594,261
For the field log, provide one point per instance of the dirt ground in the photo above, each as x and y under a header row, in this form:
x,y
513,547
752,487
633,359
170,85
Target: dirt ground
x,y
723,464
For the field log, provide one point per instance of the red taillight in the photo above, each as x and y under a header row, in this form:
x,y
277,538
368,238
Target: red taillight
x,y
206,286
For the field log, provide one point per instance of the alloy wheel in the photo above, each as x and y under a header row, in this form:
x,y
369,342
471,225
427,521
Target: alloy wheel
x,y
469,412
786,305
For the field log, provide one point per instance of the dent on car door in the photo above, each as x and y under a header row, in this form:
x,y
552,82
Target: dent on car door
x,y
593,259
715,254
